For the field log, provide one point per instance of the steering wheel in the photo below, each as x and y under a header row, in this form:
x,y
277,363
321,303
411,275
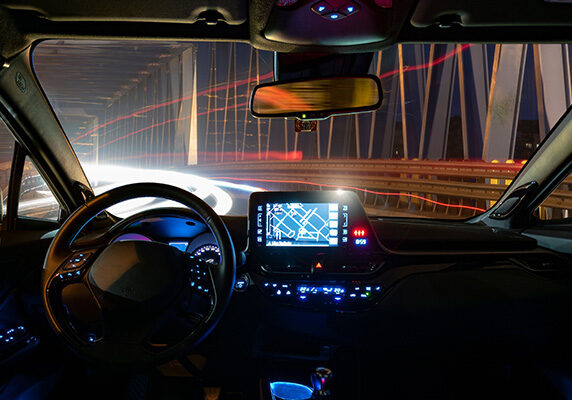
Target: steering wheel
x,y
108,300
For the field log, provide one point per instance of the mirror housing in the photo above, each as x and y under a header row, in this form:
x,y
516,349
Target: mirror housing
x,y
320,98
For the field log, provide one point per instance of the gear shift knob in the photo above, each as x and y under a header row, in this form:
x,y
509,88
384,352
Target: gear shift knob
x,y
322,382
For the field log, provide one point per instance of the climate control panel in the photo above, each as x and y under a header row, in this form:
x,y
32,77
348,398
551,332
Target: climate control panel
x,y
346,295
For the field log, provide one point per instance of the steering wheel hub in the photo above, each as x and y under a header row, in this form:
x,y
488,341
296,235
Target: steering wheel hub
x,y
138,272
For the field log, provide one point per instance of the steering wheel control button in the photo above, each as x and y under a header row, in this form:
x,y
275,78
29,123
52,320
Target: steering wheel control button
x,y
70,275
77,261
199,281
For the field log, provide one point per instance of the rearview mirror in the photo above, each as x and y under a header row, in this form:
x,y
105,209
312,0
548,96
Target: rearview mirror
x,y
316,98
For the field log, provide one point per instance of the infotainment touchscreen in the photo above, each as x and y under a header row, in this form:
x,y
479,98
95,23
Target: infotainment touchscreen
x,y
302,224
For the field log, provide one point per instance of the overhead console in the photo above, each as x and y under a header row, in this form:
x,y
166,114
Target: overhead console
x,y
313,24
313,247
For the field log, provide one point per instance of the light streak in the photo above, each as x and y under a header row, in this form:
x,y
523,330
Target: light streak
x,y
351,188
106,177
159,124
170,102
268,75
211,156
433,63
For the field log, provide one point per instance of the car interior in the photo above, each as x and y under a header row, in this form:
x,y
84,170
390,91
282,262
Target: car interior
x,y
285,199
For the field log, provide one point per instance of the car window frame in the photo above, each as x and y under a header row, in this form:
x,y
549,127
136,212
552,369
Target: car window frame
x,y
11,221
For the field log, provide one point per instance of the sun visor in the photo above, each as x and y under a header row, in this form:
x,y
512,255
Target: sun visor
x,y
485,13
233,12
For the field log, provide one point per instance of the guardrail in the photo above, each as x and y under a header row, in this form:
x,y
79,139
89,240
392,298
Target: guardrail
x,y
462,184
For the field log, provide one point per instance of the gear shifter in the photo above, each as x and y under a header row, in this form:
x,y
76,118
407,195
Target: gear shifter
x,y
322,383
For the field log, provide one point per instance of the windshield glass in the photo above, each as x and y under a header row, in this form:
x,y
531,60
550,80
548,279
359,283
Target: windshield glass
x,y
456,123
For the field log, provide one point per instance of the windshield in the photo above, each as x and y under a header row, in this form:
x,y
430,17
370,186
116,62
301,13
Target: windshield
x,y
455,126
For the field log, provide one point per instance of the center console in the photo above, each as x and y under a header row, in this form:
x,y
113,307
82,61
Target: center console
x,y
316,248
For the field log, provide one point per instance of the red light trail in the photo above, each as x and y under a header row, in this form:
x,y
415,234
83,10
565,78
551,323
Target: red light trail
x,y
160,124
352,188
268,75
248,156
170,102
437,61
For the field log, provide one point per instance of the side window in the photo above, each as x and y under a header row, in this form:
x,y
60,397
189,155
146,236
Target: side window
x,y
559,204
6,153
36,199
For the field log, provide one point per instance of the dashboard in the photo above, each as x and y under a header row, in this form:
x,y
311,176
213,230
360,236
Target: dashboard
x,y
319,250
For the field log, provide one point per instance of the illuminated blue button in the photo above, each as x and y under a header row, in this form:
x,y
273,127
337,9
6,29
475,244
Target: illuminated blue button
x,y
302,297
353,295
321,8
288,293
377,288
192,284
278,292
200,287
337,298
350,9
334,16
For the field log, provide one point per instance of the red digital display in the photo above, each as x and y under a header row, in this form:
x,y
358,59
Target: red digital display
x,y
359,232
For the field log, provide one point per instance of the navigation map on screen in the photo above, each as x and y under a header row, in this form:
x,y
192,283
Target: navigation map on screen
x,y
302,224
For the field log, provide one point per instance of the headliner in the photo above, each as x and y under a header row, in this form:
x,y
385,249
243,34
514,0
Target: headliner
x,y
24,21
